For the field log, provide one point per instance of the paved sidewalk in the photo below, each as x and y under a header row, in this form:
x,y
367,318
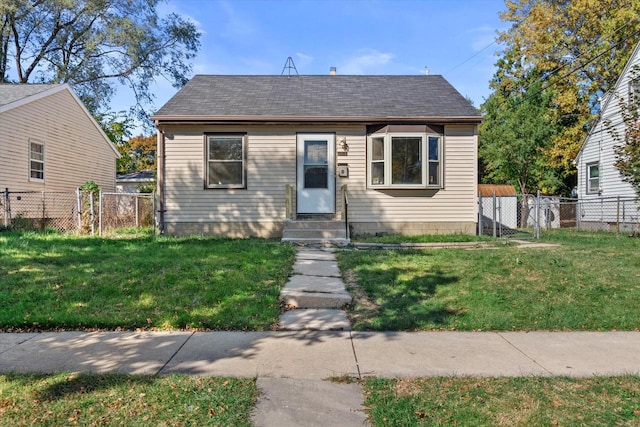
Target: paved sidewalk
x,y
315,355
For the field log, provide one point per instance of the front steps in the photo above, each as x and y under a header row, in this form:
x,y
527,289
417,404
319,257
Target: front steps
x,y
315,231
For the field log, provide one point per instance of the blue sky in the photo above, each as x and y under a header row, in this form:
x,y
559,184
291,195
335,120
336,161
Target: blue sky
x,y
449,37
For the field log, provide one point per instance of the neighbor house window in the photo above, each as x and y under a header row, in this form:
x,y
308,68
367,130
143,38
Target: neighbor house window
x,y
405,160
593,178
634,92
36,161
226,161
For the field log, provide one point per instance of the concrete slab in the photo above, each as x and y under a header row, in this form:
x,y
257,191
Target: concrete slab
x,y
316,268
314,319
301,282
308,403
580,354
317,254
9,340
300,299
100,352
304,355
417,354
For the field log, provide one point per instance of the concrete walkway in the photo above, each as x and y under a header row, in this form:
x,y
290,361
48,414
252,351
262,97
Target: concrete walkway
x,y
317,355
292,368
315,294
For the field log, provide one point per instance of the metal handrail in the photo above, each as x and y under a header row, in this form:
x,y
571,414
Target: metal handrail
x,y
345,210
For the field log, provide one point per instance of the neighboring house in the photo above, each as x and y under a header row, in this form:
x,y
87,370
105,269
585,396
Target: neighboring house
x,y
600,184
132,182
245,155
50,142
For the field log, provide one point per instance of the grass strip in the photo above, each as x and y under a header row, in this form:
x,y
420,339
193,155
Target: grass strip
x,y
610,401
90,399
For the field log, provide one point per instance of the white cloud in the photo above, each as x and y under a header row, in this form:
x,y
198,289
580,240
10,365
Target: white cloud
x,y
367,61
302,61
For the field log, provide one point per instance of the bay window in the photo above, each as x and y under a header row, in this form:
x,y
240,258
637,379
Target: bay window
x,y
405,160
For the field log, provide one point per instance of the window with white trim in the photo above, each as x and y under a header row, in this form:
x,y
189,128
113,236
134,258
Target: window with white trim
x,y
226,161
36,161
405,160
593,178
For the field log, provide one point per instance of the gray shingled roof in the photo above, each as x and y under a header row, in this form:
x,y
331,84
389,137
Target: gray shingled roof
x,y
217,96
12,92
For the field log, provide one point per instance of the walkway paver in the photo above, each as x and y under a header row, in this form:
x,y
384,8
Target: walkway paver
x,y
308,403
315,319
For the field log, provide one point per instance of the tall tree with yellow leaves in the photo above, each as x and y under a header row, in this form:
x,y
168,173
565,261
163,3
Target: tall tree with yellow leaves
x,y
579,47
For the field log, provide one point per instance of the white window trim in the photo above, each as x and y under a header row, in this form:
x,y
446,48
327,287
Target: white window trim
x,y
588,171
424,147
243,136
32,160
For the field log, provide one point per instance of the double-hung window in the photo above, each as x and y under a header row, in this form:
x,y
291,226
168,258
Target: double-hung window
x,y
405,160
226,161
36,161
593,178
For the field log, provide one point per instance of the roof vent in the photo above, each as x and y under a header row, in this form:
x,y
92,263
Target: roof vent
x,y
332,71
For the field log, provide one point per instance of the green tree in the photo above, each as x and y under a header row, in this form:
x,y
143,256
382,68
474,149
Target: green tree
x,y
517,131
579,47
95,45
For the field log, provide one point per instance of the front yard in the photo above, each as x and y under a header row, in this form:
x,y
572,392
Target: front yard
x,y
590,281
52,282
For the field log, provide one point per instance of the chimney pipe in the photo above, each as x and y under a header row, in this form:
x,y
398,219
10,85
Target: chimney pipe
x,y
332,71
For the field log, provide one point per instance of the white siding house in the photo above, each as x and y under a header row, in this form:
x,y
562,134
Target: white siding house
x,y
605,199
246,155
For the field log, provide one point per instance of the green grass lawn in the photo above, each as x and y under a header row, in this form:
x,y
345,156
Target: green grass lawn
x,y
611,401
591,281
53,281
126,400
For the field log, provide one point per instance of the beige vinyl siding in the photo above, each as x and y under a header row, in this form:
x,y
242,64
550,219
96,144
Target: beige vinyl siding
x,y
75,150
271,165
456,202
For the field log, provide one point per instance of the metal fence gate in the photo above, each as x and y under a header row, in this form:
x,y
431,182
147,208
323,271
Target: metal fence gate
x,y
525,215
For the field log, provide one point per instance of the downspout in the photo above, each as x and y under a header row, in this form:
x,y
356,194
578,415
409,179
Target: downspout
x,y
161,183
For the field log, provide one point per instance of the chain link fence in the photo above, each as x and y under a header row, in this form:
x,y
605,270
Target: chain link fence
x,y
525,215
76,212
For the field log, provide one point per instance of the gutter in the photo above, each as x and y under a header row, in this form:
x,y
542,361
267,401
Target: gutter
x,y
174,119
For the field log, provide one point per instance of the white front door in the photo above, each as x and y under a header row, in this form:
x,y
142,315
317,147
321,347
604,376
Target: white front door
x,y
316,173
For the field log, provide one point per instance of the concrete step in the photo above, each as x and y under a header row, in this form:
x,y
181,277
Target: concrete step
x,y
316,242
313,234
314,320
303,299
314,225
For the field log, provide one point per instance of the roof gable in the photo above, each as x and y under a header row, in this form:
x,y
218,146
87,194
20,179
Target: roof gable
x,y
610,97
317,97
16,95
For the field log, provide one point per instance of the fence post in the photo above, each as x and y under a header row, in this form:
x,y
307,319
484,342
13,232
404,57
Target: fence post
x,y
500,216
618,215
92,214
537,215
7,210
100,213
153,211
137,204
494,213
79,208
480,213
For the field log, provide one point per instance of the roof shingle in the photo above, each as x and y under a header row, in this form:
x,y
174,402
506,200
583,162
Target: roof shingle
x,y
318,96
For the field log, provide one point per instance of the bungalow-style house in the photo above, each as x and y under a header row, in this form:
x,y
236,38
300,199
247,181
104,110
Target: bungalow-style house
x,y
50,142
249,155
604,197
